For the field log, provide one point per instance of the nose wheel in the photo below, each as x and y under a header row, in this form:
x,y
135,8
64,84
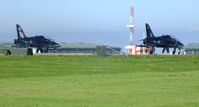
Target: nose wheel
x,y
151,50
174,51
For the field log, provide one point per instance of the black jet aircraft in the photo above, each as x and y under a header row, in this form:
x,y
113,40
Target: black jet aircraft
x,y
165,42
40,42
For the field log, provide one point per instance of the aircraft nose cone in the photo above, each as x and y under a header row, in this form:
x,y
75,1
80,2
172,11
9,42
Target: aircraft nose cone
x,y
54,44
180,44
58,45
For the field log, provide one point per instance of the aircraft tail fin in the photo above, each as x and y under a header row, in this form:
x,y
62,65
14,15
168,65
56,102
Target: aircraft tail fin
x,y
20,32
149,32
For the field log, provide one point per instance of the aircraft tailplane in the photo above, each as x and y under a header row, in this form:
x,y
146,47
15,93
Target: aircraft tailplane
x,y
20,32
149,32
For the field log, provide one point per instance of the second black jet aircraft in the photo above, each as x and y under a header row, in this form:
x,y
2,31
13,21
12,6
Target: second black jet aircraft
x,y
165,42
40,42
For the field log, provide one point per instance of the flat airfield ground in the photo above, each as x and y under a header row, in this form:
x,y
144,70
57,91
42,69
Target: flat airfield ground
x,y
91,81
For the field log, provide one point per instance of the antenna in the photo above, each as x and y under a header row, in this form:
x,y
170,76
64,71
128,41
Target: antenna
x,y
131,26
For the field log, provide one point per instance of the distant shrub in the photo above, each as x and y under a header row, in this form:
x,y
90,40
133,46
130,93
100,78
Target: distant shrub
x,y
101,50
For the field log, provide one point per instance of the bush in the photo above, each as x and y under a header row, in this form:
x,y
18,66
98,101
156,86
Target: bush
x,y
101,50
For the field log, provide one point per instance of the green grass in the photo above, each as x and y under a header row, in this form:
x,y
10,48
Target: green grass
x,y
90,81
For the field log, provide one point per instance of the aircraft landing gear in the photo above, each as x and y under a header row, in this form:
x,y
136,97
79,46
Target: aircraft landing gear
x,y
163,50
179,51
151,50
8,52
167,49
174,51
39,49
46,50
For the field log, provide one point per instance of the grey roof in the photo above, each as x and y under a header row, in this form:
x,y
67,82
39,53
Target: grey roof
x,y
80,45
64,45
192,46
5,45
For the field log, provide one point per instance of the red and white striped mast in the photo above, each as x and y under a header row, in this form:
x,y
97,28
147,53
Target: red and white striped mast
x,y
131,26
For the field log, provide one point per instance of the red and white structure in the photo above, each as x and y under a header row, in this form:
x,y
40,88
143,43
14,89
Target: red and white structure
x,y
131,26
133,49
137,50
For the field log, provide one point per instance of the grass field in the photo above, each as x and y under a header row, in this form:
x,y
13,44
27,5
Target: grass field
x,y
90,81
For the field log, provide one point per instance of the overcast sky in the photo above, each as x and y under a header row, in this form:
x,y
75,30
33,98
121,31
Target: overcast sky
x,y
98,21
